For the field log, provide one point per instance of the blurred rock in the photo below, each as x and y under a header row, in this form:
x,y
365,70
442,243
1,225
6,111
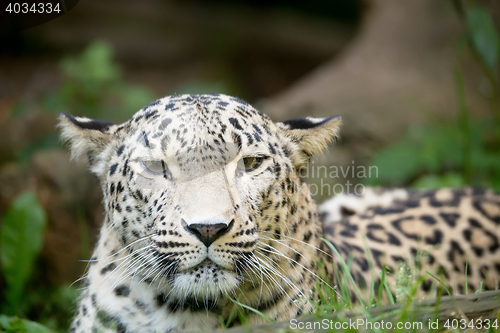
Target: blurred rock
x,y
398,71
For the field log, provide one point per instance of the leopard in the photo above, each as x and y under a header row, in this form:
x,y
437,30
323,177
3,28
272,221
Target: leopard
x,y
207,214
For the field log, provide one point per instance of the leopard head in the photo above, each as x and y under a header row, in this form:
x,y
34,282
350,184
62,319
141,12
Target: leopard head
x,y
204,191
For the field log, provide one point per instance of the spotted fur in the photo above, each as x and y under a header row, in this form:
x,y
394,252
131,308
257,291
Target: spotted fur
x,y
189,225
452,233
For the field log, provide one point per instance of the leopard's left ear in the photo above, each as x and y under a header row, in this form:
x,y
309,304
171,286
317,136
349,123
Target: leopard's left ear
x,y
311,135
85,136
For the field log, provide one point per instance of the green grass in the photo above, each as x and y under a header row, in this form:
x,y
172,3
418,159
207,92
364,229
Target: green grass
x,y
407,284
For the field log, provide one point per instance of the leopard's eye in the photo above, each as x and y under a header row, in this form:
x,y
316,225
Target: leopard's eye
x,y
251,163
156,168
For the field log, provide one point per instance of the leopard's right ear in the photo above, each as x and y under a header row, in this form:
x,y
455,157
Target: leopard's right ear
x,y
85,136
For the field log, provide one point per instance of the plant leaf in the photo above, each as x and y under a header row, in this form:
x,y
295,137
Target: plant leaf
x,y
18,325
396,163
11,324
21,238
251,309
34,327
483,36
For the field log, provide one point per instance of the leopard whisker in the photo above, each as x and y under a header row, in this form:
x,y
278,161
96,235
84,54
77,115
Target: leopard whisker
x,y
274,270
277,252
298,240
118,267
129,269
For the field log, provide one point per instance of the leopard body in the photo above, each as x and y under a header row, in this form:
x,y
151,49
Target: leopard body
x,y
205,206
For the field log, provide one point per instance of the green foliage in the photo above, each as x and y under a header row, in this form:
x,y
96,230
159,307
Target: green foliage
x,y
457,153
51,306
93,85
244,306
432,156
21,240
407,282
483,36
93,67
18,325
449,179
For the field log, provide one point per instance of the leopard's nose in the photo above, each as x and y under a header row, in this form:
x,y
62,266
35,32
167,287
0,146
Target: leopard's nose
x,y
207,233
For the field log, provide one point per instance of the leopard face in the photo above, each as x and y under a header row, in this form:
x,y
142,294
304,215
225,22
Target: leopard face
x,y
203,199
191,203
